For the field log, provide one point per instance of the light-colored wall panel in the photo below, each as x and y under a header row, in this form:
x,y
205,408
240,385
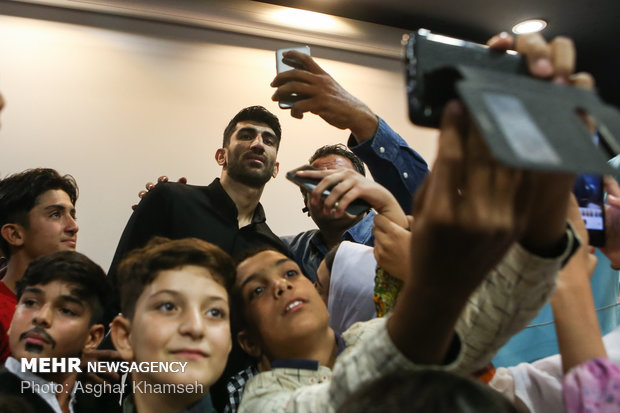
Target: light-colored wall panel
x,y
117,102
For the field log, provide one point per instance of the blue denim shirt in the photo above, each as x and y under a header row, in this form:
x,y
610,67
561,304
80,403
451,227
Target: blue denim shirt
x,y
392,163
308,248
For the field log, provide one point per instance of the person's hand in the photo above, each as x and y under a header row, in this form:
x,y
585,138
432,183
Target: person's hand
x,y
612,222
95,356
554,60
345,186
323,96
466,214
466,219
580,267
391,248
151,185
577,328
545,194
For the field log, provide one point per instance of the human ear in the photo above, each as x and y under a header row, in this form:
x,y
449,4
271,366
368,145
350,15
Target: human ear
x,y
95,335
249,345
120,330
12,234
276,169
220,156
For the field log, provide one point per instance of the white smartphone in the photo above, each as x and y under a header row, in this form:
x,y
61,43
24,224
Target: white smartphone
x,y
283,67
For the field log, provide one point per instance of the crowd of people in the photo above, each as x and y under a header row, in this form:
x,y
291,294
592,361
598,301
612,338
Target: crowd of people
x,y
400,308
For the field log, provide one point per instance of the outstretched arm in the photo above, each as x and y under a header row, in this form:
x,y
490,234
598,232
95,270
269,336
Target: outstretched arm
x,y
389,158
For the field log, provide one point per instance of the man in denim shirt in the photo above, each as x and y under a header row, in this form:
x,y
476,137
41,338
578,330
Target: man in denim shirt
x,y
389,158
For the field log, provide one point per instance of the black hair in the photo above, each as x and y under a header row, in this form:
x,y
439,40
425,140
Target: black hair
x,y
424,391
256,114
237,321
73,268
19,194
340,150
141,266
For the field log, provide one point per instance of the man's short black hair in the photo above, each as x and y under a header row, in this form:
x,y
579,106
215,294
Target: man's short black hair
x,y
340,150
256,114
19,193
73,268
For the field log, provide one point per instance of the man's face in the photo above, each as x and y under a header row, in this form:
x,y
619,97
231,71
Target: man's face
x,y
52,226
320,218
251,154
280,304
50,320
183,316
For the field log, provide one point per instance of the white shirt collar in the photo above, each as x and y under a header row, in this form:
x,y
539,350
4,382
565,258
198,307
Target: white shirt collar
x,y
45,389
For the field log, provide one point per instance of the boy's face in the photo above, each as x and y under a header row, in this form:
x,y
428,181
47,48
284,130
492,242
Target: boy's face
x,y
181,316
50,320
52,226
280,303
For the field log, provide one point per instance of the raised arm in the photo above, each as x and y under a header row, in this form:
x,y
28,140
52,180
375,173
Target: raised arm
x,y
389,158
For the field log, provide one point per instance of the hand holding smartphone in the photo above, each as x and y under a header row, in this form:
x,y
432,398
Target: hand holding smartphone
x,y
283,67
357,207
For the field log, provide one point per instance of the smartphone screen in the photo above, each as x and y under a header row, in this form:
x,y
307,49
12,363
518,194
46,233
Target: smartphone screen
x,y
283,67
589,193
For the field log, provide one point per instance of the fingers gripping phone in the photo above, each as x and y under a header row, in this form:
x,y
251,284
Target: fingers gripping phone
x,y
283,67
357,207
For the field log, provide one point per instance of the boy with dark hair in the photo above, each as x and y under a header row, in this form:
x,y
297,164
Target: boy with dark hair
x,y
59,315
37,217
174,300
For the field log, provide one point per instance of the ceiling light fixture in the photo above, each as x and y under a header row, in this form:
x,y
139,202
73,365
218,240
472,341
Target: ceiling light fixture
x,y
305,19
529,26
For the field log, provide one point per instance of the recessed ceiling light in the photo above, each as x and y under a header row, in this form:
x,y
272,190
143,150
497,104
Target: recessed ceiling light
x,y
305,19
529,26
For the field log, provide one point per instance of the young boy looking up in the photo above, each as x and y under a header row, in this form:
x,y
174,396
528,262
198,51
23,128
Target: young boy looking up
x,y
61,298
174,300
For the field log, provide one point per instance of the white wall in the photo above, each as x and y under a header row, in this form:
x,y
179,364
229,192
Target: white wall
x,y
117,102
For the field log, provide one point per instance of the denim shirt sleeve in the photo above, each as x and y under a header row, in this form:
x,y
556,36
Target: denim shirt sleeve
x,y
392,163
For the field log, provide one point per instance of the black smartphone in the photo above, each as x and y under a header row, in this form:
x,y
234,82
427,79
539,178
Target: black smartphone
x,y
357,207
590,197
431,60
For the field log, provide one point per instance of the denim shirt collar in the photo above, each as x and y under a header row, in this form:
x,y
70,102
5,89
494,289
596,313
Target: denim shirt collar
x,y
360,233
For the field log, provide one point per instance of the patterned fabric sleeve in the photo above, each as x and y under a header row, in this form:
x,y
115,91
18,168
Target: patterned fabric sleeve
x,y
592,387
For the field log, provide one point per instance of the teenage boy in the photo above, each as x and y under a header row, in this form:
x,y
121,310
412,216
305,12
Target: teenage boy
x,y
37,217
59,315
174,300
